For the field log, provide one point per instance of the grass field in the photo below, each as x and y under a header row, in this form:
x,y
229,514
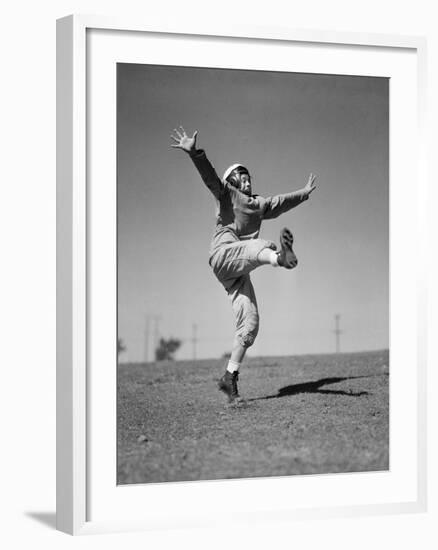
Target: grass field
x,y
303,415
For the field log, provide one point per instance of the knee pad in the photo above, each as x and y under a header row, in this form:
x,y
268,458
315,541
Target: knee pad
x,y
249,329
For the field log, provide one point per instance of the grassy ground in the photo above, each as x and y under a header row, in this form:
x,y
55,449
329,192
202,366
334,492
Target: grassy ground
x,y
304,415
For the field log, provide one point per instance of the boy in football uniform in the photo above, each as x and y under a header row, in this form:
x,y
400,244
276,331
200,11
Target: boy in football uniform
x,y
236,248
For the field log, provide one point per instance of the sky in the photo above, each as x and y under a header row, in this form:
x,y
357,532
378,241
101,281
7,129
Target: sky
x,y
282,126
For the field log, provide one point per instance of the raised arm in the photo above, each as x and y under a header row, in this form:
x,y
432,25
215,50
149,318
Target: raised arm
x,y
279,204
199,158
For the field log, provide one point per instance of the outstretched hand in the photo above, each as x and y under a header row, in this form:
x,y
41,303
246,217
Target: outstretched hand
x,y
310,185
183,141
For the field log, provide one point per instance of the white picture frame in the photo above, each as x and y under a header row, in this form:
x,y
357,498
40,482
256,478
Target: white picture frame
x,y
74,339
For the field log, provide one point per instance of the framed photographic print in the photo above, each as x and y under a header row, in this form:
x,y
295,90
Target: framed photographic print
x,y
241,296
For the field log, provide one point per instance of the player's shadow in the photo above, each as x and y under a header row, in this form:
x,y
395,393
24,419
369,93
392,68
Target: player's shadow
x,y
314,387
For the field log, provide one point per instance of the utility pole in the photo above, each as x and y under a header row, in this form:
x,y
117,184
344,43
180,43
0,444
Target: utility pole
x,y
194,338
337,332
152,329
146,339
156,319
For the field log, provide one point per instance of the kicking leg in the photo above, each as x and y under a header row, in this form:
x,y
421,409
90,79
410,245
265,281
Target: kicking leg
x,y
240,258
286,257
268,256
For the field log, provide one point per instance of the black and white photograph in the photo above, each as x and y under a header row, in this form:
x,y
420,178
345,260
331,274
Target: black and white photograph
x,y
219,239
252,274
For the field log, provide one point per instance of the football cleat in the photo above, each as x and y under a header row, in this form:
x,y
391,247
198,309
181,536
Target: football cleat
x,y
286,256
228,385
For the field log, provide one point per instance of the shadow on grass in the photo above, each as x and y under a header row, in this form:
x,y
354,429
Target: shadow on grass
x,y
314,387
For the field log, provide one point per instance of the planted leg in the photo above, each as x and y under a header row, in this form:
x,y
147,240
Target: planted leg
x,y
246,314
